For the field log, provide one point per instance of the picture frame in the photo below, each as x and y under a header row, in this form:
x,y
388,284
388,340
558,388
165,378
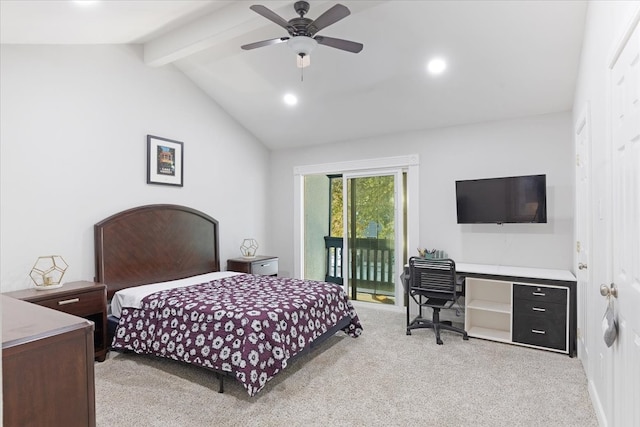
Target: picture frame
x,y
165,160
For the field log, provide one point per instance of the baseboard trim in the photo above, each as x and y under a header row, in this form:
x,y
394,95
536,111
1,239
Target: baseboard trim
x,y
597,405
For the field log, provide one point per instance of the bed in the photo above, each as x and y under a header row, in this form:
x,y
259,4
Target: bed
x,y
168,298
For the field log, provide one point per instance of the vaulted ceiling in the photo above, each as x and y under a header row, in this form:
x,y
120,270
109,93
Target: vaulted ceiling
x,y
505,59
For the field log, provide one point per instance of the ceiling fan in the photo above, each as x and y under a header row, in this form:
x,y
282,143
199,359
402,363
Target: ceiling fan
x,y
302,31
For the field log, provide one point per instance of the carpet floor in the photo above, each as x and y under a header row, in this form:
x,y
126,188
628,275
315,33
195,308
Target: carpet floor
x,y
382,378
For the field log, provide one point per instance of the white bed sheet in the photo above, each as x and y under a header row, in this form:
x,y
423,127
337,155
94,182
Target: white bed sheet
x,y
132,297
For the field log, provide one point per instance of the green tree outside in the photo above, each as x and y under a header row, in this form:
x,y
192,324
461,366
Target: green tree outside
x,y
374,203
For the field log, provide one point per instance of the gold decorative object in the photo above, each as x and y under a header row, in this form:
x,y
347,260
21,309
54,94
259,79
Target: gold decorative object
x,y
47,272
249,248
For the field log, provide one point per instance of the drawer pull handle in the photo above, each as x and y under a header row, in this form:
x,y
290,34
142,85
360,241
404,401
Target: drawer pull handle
x,y
538,309
536,331
265,265
539,294
69,301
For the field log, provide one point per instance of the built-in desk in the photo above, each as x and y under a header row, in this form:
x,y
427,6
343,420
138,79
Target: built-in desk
x,y
487,270
533,307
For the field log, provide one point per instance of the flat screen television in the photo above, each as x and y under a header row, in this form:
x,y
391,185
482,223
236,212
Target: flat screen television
x,y
514,199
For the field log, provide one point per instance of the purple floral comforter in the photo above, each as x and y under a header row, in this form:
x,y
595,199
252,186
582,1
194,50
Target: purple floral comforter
x,y
246,324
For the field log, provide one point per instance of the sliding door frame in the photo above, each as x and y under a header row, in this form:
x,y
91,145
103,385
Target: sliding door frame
x,y
386,165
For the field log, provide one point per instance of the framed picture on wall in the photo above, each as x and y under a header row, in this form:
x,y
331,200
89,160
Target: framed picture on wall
x,y
165,158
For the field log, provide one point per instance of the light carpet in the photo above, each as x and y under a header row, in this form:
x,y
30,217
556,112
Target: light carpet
x,y
382,378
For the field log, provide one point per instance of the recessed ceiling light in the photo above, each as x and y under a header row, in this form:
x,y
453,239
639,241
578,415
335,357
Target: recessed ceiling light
x,y
85,2
290,99
436,66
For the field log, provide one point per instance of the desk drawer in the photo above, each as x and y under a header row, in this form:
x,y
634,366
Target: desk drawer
x,y
540,331
78,304
541,310
539,293
267,267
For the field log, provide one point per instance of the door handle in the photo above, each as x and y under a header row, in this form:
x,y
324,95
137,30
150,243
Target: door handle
x,y
607,291
582,266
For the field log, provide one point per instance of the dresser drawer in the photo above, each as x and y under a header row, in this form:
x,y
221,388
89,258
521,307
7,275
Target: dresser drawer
x,y
541,309
79,304
539,293
266,267
540,331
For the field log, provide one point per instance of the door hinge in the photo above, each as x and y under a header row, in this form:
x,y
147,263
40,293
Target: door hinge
x,y
578,246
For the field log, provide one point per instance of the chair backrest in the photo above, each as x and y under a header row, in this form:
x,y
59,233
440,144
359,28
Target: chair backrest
x,y
434,278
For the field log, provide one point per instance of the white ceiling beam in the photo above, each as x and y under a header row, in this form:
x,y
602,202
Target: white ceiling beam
x,y
219,26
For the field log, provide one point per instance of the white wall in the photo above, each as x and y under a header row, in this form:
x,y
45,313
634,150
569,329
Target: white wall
x,y
74,121
532,145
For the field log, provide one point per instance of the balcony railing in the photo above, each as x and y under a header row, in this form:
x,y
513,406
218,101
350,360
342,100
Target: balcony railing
x,y
373,266
333,246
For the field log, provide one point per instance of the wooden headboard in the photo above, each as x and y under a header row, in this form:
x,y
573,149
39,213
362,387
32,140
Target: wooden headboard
x,y
154,243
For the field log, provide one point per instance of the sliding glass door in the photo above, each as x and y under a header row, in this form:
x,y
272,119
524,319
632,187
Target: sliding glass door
x,y
354,232
372,228
343,223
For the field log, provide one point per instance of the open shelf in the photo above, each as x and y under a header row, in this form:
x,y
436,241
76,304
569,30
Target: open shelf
x,y
488,309
498,307
490,334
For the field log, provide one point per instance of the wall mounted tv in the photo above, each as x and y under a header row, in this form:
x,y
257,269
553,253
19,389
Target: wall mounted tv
x,y
514,199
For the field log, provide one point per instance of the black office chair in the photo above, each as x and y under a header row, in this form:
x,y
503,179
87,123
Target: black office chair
x,y
432,283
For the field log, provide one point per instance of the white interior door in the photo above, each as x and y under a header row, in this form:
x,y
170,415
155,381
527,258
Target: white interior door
x,y
625,138
596,357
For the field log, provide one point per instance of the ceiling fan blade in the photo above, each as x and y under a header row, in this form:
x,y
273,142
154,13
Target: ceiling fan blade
x,y
264,43
331,16
270,15
347,45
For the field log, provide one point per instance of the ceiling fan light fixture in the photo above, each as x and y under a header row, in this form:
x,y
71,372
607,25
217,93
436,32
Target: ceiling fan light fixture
x,y
302,45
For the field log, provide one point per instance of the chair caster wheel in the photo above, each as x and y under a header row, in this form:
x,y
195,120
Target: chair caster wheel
x,y
465,337
439,342
408,332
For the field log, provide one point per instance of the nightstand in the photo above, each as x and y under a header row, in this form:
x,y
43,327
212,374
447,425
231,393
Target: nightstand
x,y
83,299
262,264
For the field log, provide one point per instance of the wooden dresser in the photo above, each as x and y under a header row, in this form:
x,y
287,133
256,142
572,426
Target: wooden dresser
x,y
47,367
84,299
